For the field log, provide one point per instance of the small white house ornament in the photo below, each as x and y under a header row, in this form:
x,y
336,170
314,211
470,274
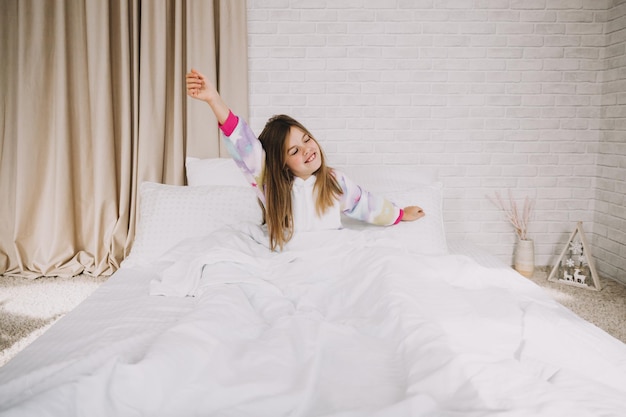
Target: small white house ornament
x,y
575,264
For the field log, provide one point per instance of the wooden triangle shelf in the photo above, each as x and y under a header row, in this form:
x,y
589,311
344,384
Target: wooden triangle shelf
x,y
575,264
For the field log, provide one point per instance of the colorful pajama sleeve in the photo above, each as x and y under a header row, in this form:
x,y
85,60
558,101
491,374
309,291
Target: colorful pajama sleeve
x,y
246,150
365,206
249,155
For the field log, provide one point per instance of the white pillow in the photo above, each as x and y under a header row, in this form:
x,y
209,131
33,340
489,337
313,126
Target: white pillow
x,y
170,213
405,186
424,236
214,171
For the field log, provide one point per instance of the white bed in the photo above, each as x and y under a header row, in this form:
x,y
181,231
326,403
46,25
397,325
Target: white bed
x,y
362,321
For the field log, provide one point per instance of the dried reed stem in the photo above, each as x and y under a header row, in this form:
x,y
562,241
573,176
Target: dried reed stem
x,y
518,219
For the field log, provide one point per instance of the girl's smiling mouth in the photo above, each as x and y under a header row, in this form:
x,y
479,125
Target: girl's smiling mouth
x,y
311,158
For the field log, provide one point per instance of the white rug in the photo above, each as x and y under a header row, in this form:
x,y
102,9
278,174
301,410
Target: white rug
x,y
606,308
29,307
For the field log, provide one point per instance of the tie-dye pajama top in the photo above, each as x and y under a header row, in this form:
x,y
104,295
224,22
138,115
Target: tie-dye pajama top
x,y
249,155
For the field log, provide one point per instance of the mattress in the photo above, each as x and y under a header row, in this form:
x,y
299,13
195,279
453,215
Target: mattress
x,y
349,328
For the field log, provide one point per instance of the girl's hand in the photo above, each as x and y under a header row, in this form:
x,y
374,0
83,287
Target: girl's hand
x,y
412,213
199,87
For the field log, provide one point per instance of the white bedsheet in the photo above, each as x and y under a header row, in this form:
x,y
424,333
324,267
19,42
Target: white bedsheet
x,y
341,324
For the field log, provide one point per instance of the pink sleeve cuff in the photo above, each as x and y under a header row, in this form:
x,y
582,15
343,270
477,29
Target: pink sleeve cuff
x,y
230,124
399,219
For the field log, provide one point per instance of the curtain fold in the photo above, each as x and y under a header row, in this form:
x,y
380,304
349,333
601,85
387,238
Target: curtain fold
x,y
93,104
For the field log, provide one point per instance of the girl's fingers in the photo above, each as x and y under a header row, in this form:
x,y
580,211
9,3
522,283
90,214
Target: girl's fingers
x,y
195,83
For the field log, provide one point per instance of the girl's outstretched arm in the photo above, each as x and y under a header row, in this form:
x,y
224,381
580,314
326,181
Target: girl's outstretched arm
x,y
367,207
200,88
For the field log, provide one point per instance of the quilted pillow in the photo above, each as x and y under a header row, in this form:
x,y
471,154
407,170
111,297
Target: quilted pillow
x,y
170,213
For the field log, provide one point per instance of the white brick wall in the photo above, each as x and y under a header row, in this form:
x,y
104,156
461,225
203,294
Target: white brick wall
x,y
610,215
496,94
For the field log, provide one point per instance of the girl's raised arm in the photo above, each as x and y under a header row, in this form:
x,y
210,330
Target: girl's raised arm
x,y
200,88
241,143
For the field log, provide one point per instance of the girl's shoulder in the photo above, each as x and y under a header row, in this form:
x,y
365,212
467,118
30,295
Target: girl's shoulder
x,y
344,182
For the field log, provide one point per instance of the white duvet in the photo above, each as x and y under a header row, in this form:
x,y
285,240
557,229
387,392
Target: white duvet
x,y
341,324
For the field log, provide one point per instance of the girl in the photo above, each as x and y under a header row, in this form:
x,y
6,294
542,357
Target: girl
x,y
298,192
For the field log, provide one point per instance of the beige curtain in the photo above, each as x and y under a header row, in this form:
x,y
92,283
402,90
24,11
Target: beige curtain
x,y
92,104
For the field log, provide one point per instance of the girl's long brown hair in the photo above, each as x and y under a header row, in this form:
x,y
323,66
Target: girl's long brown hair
x,y
278,212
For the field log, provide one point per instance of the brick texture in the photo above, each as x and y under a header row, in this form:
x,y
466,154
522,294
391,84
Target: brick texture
x,y
496,94
610,188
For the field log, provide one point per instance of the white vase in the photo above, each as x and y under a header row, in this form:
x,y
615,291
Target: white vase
x,y
525,257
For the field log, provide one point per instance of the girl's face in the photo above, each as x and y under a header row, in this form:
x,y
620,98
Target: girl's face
x,y
303,156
